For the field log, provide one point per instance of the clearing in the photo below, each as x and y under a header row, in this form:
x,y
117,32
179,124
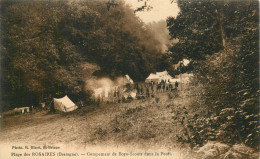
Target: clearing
x,y
149,124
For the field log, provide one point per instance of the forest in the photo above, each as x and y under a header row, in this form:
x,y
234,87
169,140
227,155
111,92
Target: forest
x,y
221,40
45,46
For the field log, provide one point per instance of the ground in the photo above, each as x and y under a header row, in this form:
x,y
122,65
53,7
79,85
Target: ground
x,y
149,124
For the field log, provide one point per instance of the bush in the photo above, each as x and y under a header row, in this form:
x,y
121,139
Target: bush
x,y
226,101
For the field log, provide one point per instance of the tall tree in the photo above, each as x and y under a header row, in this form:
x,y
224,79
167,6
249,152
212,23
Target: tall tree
x,y
47,43
227,68
197,28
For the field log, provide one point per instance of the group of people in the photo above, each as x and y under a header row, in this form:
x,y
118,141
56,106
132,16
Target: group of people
x,y
148,89
162,86
142,90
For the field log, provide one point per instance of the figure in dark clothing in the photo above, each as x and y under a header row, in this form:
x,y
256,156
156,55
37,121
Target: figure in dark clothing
x,y
176,84
123,99
80,104
52,109
98,100
115,93
162,81
103,93
158,87
141,90
170,87
152,88
118,93
137,88
147,92
163,87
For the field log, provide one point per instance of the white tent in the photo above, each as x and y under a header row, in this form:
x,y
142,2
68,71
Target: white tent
x,y
152,76
158,76
129,79
175,80
64,104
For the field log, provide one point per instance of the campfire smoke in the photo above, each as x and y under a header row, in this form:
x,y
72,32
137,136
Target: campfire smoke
x,y
107,88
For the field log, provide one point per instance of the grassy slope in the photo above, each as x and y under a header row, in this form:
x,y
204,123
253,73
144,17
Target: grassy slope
x,y
141,124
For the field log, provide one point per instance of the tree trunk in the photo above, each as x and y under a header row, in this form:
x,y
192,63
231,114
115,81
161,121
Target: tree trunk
x,y
222,30
220,20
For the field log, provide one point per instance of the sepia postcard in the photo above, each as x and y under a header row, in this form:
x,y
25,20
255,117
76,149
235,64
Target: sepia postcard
x,y
129,79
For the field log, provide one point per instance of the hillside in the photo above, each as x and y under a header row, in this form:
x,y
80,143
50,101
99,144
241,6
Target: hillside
x,y
141,124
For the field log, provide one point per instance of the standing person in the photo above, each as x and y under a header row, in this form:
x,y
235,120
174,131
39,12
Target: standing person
x,y
170,87
152,88
115,93
52,108
80,104
163,86
118,93
136,87
176,85
147,92
98,100
158,87
103,94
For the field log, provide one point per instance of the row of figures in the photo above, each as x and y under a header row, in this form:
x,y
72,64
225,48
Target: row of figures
x,y
163,86
149,89
137,90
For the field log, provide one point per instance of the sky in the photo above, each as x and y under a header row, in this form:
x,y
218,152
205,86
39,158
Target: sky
x,y
160,11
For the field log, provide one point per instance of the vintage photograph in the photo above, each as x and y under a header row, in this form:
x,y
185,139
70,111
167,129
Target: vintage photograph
x,y
127,79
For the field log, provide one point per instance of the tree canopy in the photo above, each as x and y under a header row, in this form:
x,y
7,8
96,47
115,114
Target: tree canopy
x,y
46,43
220,38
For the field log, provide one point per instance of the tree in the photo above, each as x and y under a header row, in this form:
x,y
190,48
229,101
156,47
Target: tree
x,y
225,77
47,45
197,28
115,39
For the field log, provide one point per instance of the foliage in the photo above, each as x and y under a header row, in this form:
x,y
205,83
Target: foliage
x,y
227,103
145,6
116,39
46,44
203,27
197,27
226,98
225,84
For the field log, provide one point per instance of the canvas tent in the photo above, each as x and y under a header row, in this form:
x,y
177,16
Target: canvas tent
x,y
152,77
129,79
175,80
64,104
158,76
